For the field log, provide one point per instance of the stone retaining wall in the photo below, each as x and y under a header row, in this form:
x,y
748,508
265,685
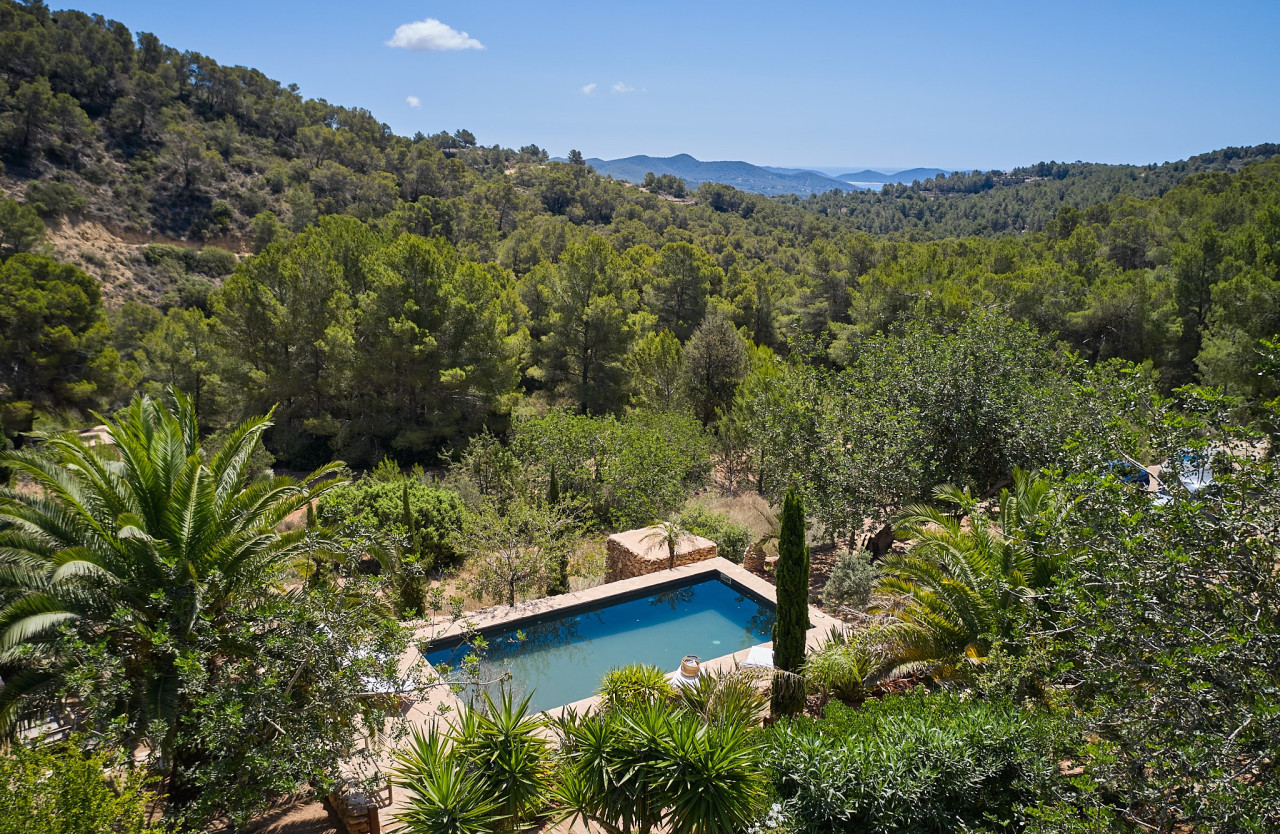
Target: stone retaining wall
x,y
638,552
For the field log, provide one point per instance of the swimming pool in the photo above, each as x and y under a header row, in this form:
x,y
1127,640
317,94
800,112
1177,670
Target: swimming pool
x,y
564,655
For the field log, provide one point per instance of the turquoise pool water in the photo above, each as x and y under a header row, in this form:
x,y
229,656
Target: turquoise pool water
x,y
562,660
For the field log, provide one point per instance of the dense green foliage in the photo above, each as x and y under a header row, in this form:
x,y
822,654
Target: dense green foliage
x,y
418,516
491,769
1025,199
915,763
844,667
1170,621
629,471
961,587
662,764
628,686
649,759
918,409
373,344
53,340
63,791
731,539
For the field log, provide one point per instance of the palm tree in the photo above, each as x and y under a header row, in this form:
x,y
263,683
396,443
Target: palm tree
x,y
959,588
137,546
671,534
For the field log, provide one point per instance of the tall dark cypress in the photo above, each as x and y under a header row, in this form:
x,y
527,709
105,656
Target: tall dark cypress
x,y
553,489
793,607
560,582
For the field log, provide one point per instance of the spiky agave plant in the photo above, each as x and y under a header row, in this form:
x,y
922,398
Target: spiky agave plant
x,y
137,545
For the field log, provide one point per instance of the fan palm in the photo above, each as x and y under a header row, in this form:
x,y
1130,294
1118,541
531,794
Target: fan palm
x,y
669,534
961,587
136,546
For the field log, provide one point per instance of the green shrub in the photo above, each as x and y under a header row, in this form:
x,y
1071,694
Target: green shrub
x,y
52,200
634,684
189,292
849,585
631,471
659,766
731,539
378,504
64,791
156,254
840,669
214,262
914,763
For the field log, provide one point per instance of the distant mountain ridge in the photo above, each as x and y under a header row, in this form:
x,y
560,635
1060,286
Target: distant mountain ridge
x,y
741,175
868,175
905,177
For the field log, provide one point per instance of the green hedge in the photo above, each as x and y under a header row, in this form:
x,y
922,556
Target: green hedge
x,y
913,763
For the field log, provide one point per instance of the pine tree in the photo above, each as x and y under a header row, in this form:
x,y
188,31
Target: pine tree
x,y
793,608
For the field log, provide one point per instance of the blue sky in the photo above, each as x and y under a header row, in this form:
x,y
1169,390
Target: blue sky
x,y
804,84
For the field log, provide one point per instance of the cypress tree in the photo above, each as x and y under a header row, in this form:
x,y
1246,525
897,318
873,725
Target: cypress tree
x,y
413,538
793,607
560,584
553,489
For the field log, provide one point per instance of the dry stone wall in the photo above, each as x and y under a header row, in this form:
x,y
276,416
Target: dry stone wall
x,y
639,552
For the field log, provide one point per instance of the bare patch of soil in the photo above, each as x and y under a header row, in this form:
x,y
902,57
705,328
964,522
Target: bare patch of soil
x,y
299,815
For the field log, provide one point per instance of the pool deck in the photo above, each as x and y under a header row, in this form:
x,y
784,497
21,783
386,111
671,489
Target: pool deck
x,y
438,703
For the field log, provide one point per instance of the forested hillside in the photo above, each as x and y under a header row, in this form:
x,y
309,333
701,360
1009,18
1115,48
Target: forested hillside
x,y
407,291
1018,201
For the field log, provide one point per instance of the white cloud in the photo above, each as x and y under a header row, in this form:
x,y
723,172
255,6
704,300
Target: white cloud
x,y
413,101
431,35
588,89
622,88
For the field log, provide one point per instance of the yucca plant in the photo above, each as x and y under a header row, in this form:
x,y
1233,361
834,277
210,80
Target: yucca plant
x,y
504,746
490,772
444,798
962,586
634,684
732,699
139,545
713,780
656,765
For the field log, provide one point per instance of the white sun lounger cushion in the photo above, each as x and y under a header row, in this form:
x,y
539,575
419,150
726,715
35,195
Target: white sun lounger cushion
x,y
759,656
